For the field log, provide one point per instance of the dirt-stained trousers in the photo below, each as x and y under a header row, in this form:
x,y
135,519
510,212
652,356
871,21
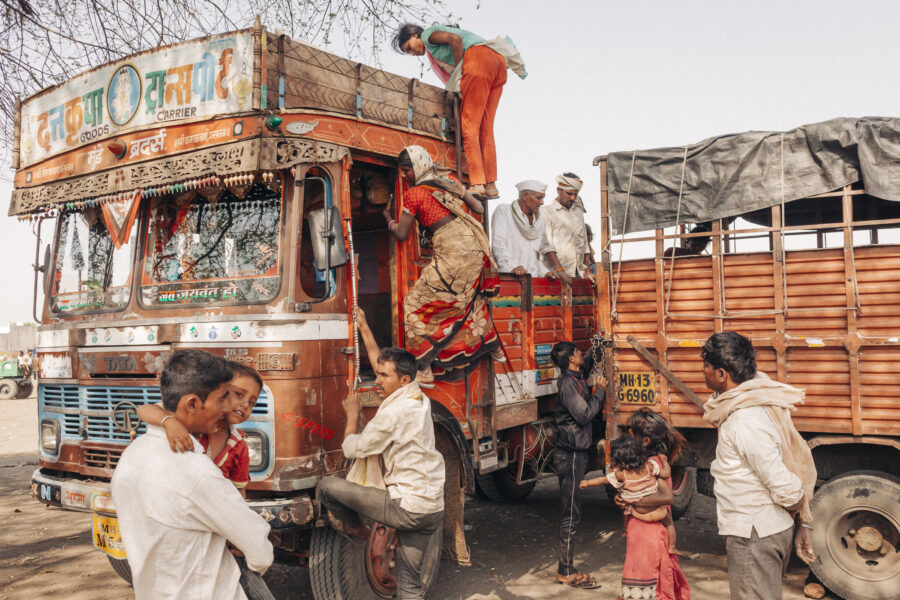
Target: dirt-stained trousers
x,y
570,466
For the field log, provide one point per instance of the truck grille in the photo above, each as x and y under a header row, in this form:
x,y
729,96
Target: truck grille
x,y
88,409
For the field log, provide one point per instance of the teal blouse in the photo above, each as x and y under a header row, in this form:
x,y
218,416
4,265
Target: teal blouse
x,y
442,52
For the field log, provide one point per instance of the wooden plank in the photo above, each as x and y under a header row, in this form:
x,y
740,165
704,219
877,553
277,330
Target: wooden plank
x,y
682,387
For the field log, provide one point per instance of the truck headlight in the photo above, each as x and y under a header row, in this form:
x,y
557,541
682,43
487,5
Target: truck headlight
x,y
258,449
50,436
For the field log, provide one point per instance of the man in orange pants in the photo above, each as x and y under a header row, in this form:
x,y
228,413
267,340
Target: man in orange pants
x,y
476,68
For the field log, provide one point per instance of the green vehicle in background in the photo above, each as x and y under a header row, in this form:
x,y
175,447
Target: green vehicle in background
x,y
13,384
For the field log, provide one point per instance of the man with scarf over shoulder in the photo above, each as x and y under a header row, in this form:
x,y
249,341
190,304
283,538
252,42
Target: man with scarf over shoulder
x,y
516,232
764,471
576,408
564,246
398,477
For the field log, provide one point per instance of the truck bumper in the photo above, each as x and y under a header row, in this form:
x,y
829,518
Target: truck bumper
x,y
94,496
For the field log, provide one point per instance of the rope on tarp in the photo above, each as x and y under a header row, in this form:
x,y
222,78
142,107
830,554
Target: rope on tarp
x,y
677,223
614,311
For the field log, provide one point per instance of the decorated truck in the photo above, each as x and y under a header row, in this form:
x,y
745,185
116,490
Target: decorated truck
x,y
804,260
226,194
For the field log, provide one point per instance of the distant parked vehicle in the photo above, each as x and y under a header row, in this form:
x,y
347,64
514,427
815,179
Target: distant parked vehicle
x,y
13,384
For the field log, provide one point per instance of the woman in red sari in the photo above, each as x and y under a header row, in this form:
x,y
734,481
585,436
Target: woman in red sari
x,y
650,571
446,319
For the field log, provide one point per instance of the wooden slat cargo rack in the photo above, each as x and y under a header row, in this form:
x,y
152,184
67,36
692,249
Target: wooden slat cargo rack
x,y
812,281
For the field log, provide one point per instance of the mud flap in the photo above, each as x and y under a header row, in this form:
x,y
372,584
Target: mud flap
x,y
455,547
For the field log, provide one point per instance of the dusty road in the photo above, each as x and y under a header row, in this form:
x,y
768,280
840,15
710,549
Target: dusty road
x,y
46,552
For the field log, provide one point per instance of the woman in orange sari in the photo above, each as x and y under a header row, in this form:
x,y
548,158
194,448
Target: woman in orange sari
x,y
446,319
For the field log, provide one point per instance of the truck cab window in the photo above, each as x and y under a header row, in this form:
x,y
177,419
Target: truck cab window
x,y
213,252
317,194
91,274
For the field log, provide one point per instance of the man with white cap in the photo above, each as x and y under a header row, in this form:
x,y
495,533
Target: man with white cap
x,y
564,246
517,229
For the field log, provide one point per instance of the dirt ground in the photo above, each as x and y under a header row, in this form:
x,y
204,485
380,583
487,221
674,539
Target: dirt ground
x,y
47,552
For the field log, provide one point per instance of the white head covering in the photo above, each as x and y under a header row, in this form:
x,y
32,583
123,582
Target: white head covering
x,y
569,183
423,165
531,185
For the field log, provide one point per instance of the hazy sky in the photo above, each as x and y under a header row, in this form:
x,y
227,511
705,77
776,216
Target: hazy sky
x,y
615,76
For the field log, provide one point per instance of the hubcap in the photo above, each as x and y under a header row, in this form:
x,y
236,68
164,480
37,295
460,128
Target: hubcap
x,y
380,559
865,543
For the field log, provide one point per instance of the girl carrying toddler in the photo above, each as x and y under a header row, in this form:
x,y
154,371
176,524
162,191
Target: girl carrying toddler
x,y
634,476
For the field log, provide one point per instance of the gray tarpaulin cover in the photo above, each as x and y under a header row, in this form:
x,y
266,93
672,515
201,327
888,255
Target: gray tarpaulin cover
x,y
734,174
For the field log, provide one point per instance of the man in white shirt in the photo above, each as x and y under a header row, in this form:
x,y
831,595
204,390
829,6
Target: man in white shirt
x,y
564,246
757,494
401,433
517,229
176,511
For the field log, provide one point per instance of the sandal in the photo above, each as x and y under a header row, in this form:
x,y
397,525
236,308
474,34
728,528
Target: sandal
x,y
580,580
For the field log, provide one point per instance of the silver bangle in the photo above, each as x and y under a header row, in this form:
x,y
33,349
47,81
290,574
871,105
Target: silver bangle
x,y
807,525
163,422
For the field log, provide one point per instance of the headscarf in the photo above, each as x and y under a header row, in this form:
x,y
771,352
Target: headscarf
x,y
571,183
446,194
533,230
423,165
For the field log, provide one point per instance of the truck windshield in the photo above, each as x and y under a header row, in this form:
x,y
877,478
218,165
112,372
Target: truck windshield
x,y
200,251
91,275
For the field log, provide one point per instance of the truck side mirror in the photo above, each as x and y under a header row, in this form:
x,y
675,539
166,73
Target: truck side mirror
x,y
327,238
45,267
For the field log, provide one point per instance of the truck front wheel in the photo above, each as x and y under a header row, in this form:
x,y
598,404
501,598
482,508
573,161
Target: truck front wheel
x,y
856,535
121,567
340,569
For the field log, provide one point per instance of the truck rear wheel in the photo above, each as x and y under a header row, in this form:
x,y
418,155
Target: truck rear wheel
x,y
501,486
121,567
684,486
8,389
856,535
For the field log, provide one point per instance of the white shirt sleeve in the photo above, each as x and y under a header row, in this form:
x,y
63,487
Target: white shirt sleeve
x,y
760,447
222,508
500,239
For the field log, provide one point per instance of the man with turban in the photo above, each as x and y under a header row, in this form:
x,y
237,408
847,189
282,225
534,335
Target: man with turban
x,y
564,246
517,229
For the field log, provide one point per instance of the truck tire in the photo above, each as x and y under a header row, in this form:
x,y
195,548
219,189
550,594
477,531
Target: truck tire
x,y
500,485
8,389
121,567
338,569
852,514
684,486
25,388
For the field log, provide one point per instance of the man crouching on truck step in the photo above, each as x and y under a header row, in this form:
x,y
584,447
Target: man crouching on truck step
x,y
576,408
176,510
402,435
764,470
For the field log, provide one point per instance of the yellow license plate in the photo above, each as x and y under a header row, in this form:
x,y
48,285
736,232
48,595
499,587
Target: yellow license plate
x,y
107,537
637,387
